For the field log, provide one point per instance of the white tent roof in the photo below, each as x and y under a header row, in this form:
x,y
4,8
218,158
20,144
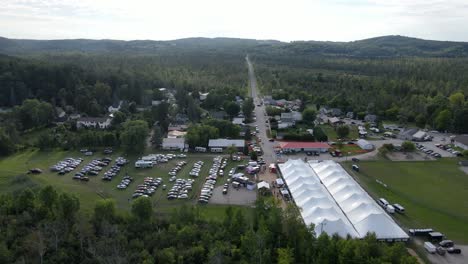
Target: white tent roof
x,y
360,209
263,184
317,206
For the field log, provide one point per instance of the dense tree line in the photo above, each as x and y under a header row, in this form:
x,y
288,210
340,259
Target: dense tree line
x,y
430,92
46,226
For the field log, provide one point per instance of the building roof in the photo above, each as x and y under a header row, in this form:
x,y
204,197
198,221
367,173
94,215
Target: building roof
x,y
408,132
419,134
299,145
224,143
334,120
462,139
360,209
173,141
93,119
263,184
318,206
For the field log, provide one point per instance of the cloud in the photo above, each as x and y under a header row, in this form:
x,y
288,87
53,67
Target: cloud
x,y
338,20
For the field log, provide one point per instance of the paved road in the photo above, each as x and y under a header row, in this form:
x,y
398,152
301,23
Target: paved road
x,y
268,154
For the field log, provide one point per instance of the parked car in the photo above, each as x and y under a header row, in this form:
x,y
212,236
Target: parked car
x,y
441,251
452,250
355,159
446,243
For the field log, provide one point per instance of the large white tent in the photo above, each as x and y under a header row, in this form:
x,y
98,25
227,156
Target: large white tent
x,y
360,209
334,202
317,206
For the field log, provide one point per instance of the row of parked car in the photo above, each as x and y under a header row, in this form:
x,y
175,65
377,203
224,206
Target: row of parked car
x,y
428,151
195,171
114,169
125,182
148,187
66,165
448,148
181,189
444,246
92,168
173,172
207,190
391,208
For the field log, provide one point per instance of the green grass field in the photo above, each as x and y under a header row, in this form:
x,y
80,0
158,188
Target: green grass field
x,y
434,193
331,133
12,178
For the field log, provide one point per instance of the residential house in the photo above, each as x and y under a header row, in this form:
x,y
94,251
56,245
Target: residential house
x,y
350,115
61,115
286,120
115,107
370,118
334,121
268,100
335,112
93,122
173,127
74,116
407,134
238,121
297,116
461,141
218,115
281,102
176,134
203,96
174,144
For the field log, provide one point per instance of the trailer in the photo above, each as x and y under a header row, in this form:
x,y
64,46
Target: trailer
x,y
143,164
430,247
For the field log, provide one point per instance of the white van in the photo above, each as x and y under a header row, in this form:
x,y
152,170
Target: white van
x,y
430,247
390,209
400,209
383,202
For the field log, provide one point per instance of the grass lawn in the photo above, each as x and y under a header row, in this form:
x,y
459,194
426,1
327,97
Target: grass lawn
x,y
353,149
331,133
434,193
12,178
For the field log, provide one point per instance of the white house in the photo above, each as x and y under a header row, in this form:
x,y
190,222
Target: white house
x,y
365,145
297,116
93,122
174,144
203,96
238,121
115,107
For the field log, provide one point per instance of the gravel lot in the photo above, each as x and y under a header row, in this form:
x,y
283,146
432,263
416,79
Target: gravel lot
x,y
240,196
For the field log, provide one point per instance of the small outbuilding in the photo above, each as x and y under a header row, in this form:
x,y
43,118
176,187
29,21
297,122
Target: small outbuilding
x,y
365,145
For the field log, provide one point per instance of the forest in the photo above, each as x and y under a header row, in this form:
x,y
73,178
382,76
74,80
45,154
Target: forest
x,y
428,92
46,226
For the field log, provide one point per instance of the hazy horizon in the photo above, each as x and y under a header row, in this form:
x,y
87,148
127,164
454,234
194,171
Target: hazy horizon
x,y
296,20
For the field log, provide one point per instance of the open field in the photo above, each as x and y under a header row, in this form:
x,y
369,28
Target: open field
x,y
13,167
434,193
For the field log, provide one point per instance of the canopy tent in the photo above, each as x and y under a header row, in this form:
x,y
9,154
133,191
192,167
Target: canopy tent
x,y
359,208
316,205
263,185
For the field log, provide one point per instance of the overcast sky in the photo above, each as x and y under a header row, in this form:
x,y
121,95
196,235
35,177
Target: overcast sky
x,y
335,20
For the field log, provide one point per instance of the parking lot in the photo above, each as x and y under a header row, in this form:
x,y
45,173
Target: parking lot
x,y
240,196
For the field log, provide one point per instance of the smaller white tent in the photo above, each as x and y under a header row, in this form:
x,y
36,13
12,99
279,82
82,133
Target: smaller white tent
x,y
263,184
364,144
